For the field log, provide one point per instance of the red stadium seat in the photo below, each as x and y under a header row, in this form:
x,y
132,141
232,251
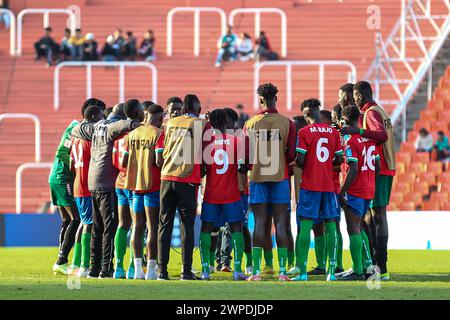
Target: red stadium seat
x,y
429,177
417,167
408,177
414,197
445,206
419,125
396,198
444,115
430,206
444,187
440,197
444,177
430,113
412,135
439,126
407,206
423,157
436,104
421,187
408,147
403,157
435,167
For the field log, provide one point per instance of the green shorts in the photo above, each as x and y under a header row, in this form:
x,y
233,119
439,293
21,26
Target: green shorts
x,y
383,187
62,195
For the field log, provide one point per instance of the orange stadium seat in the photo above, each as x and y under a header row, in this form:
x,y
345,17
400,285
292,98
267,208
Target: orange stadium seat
x,y
441,197
425,118
403,157
419,125
444,115
430,206
417,167
445,206
435,167
436,104
439,126
414,197
423,157
408,177
400,167
447,72
402,187
444,187
392,207
407,206
396,198
430,113
429,177
421,187
444,177
408,147
412,135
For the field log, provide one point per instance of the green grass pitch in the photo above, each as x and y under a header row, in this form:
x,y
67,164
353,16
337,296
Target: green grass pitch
x,y
25,273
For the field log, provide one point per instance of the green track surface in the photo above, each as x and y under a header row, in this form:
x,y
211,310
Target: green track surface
x,y
26,273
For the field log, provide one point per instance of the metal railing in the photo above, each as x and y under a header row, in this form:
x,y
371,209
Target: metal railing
x,y
19,172
37,129
46,13
196,10
90,64
12,30
393,53
351,76
257,12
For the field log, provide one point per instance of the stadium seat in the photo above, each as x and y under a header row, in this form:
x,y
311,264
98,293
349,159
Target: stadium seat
x,y
436,104
435,167
440,197
426,118
408,177
417,167
392,207
444,115
422,157
445,206
429,177
403,157
407,206
414,197
430,206
419,125
396,198
444,187
400,168
412,135
431,113
408,147
439,126
421,187
444,177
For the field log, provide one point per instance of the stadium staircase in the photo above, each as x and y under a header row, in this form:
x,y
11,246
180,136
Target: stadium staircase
x,y
321,29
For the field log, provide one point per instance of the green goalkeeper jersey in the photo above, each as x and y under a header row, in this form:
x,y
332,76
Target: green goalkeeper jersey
x,y
60,172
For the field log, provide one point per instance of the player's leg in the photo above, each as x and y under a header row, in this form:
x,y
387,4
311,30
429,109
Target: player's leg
x,y
328,211
84,205
367,255
65,221
268,244
120,239
212,252
319,248
339,265
71,231
205,241
233,215
109,218
151,205
247,236
76,258
291,246
226,246
137,233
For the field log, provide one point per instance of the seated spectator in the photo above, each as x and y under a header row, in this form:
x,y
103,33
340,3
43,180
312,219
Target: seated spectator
x,y
130,46
119,43
46,46
424,141
76,45
90,48
108,52
442,147
243,116
245,47
3,16
64,47
227,47
263,49
147,48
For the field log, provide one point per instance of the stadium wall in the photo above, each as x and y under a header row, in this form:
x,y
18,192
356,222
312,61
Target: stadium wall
x,y
407,230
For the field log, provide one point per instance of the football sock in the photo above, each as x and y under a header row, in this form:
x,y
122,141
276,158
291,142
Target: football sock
x,y
151,264
367,258
85,249
282,259
268,258
320,249
297,246
238,246
304,243
331,246
205,248
257,252
212,257
291,258
120,245
339,250
381,253
248,259
356,252
131,266
62,232
69,239
138,265
76,259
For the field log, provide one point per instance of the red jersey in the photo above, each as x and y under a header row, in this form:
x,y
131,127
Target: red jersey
x,y
80,156
320,143
364,152
117,157
222,170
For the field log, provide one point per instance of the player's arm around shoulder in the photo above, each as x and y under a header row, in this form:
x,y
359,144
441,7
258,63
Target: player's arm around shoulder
x,y
120,127
338,152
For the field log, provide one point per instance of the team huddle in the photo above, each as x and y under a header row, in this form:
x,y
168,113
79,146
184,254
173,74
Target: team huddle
x,y
142,165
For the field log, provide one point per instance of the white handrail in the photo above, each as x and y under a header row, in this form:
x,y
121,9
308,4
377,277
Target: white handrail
x,y
19,172
37,129
288,64
196,10
46,13
257,12
12,30
90,64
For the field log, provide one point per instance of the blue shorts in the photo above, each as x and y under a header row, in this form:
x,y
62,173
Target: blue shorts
x,y
124,197
320,220
359,206
84,205
317,205
150,199
270,192
244,201
221,213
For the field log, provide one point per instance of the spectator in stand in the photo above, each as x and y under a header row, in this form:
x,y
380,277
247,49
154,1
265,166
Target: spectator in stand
x,y
263,49
64,47
245,47
424,141
442,147
3,16
242,116
227,47
130,46
90,48
76,45
46,46
108,52
146,50
119,43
